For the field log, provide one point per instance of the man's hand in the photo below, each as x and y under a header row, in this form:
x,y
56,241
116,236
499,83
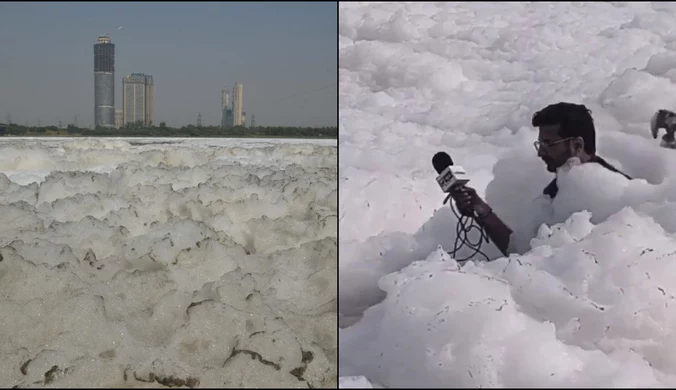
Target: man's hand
x,y
469,203
465,198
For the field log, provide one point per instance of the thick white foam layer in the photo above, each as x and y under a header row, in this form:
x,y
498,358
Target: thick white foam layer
x,y
142,263
589,287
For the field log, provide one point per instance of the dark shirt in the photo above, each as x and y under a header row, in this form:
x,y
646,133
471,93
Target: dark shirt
x,y
552,188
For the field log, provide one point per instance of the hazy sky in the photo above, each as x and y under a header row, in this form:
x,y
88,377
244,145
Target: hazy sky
x,y
284,54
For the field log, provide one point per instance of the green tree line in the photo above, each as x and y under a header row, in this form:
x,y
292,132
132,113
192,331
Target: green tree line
x,y
138,130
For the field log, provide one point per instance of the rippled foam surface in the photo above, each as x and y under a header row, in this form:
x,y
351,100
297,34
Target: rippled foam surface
x,y
165,262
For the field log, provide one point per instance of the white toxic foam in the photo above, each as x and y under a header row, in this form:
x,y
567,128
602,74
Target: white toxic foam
x,y
586,299
168,262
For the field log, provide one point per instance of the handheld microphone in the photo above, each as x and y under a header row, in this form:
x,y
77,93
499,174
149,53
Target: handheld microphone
x,y
449,175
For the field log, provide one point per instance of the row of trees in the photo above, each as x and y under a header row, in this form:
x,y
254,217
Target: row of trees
x,y
139,130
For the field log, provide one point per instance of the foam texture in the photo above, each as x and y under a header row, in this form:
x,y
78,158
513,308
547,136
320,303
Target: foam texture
x,y
168,262
586,297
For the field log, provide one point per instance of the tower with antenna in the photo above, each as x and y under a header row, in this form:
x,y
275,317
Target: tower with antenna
x,y
199,119
104,82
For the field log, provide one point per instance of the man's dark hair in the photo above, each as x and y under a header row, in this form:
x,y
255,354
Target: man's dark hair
x,y
575,120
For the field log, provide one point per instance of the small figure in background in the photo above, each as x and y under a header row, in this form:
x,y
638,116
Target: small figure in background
x,y
664,119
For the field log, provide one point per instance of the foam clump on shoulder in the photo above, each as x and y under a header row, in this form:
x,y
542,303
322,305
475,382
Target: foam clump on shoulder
x,y
516,194
590,187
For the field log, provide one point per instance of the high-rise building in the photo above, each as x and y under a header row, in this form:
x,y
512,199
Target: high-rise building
x,y
244,119
150,104
119,119
228,117
225,108
253,120
137,99
237,104
104,82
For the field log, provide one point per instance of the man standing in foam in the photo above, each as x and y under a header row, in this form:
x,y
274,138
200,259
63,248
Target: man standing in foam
x,y
566,143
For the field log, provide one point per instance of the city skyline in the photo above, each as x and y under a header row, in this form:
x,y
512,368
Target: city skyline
x,y
285,53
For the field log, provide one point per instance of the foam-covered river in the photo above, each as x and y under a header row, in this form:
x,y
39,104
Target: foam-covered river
x,y
164,262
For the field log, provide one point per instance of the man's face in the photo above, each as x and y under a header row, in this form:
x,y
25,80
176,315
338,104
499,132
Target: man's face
x,y
552,149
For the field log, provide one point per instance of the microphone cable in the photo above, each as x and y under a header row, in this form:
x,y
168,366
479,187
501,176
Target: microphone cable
x,y
463,228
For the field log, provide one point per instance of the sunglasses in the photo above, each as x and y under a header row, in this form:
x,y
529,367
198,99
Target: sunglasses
x,y
546,145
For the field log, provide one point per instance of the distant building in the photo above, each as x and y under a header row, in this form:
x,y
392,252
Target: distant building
x,y
119,119
150,103
137,99
225,106
104,82
237,104
253,120
244,119
228,117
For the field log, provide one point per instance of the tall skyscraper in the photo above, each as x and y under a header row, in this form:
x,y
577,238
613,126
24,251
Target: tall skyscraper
x,y
253,120
226,111
243,118
237,104
137,98
104,82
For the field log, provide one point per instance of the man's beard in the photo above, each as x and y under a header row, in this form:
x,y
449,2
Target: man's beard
x,y
551,164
